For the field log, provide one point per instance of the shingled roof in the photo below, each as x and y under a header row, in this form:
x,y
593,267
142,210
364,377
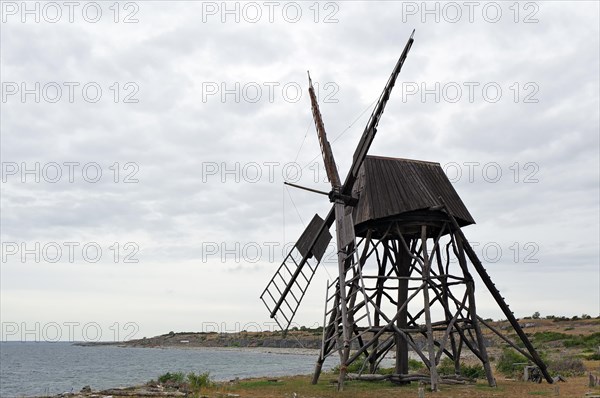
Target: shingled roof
x,y
390,187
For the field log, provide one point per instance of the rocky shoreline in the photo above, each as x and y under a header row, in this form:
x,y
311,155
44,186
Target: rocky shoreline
x,y
137,391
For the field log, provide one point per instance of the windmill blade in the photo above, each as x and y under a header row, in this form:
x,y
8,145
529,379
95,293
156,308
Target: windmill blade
x,y
328,160
287,287
371,128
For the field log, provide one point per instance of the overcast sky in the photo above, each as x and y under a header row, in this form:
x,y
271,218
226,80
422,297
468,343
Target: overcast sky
x,y
144,148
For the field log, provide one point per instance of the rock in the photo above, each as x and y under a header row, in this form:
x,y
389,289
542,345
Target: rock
x,y
527,325
86,389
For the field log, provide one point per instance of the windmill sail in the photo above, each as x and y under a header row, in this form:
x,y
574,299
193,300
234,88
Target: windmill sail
x,y
371,129
287,287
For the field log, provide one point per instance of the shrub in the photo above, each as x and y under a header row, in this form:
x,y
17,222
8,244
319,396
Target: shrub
x,y
589,341
544,337
198,381
473,372
446,367
357,365
354,367
415,364
172,379
567,366
594,357
507,360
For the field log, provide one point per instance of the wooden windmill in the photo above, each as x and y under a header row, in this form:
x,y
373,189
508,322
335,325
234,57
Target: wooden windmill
x,y
402,260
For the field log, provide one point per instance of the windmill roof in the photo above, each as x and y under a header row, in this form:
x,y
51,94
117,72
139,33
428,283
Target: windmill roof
x,y
392,187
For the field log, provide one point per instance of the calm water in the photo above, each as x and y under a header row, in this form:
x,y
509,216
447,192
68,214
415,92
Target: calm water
x,y
28,369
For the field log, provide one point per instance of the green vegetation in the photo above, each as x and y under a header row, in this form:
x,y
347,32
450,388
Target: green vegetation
x,y
198,381
414,364
192,382
258,384
473,372
354,367
505,364
172,378
564,365
590,341
446,367
568,340
544,337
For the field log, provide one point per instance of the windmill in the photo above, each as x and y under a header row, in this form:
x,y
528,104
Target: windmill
x,y
399,240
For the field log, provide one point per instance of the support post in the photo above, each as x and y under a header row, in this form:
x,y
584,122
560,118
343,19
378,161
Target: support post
x,y
473,313
403,261
430,344
381,266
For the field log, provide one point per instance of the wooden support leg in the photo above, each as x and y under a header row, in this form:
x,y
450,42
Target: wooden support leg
x,y
473,313
430,343
378,298
403,261
318,368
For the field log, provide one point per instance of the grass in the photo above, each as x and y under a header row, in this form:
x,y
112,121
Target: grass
x,y
580,341
545,337
259,384
485,387
589,341
301,386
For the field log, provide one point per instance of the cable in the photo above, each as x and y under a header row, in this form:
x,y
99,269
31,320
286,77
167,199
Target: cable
x,y
303,140
297,212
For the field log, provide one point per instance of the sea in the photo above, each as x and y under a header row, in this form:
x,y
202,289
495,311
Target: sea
x,y
43,368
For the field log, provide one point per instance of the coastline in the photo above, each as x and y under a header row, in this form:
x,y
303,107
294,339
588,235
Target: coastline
x,y
261,350
306,339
